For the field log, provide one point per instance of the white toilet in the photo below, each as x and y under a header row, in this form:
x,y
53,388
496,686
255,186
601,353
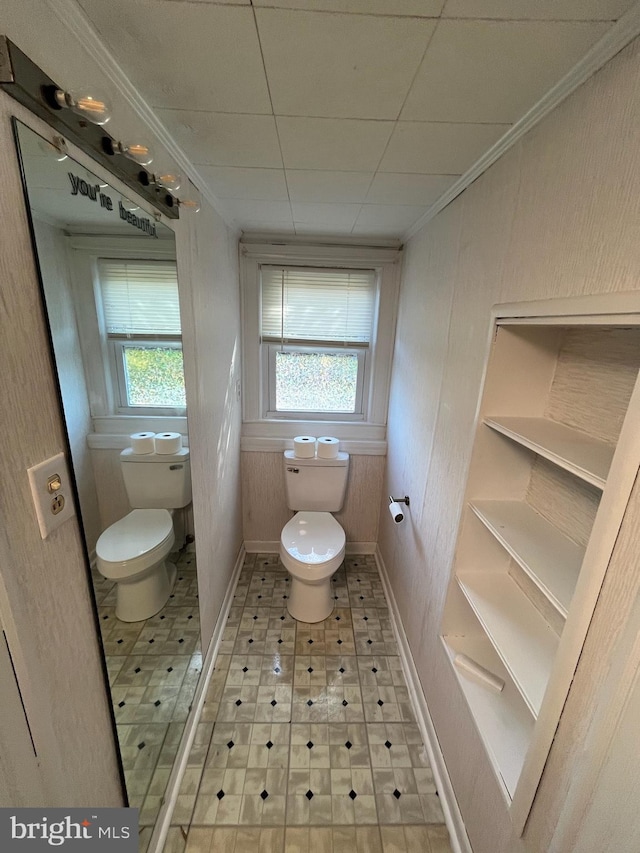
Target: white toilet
x,y
133,551
312,543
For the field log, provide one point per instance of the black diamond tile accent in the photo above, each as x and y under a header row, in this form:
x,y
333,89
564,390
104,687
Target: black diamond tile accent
x,y
397,794
245,669
259,596
263,579
310,642
348,744
380,702
157,703
310,669
277,670
344,703
238,702
151,641
268,744
254,618
336,597
387,744
162,617
121,704
373,669
273,703
309,702
369,642
231,744
282,618
353,795
137,669
181,640
141,745
309,795
337,618
250,641
264,795
169,669
119,641
366,618
220,795
106,616
341,669
189,617
362,598
280,641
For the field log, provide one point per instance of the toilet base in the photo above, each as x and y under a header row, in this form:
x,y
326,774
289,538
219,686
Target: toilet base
x,y
137,600
310,602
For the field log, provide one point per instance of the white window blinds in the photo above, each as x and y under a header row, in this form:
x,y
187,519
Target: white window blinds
x,y
303,304
140,298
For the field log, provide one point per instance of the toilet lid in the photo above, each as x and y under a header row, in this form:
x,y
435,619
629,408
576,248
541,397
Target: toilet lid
x,y
313,537
135,534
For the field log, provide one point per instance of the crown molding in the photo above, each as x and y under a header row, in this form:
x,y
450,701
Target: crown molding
x,y
77,23
618,37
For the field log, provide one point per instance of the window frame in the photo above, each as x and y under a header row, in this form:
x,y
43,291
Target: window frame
x,y
255,250
269,351
116,345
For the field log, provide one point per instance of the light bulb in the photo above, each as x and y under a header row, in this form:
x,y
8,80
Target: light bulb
x,y
93,108
169,180
190,204
136,151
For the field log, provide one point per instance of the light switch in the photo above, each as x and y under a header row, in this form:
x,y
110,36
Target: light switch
x,y
51,493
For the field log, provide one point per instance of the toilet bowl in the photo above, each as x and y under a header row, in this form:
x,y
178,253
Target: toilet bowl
x,y
312,546
133,552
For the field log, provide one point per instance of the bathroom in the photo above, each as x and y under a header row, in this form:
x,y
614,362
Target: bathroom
x,y
523,230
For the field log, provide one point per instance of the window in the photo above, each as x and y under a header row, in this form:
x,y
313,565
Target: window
x,y
141,316
316,330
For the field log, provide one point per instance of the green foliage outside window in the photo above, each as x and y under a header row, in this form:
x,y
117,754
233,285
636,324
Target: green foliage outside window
x,y
154,376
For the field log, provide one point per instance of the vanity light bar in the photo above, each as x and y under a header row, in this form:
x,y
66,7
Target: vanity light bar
x,y
25,82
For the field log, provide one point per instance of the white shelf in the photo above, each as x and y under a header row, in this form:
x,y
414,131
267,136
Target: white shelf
x,y
549,558
503,720
575,451
522,638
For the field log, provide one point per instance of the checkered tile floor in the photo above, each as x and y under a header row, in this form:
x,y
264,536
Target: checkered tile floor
x,y
154,667
307,741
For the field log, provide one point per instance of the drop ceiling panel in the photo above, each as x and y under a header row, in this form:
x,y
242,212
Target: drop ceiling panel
x,y
388,188
244,210
223,139
552,10
494,71
434,148
385,219
230,182
350,66
332,144
307,185
198,56
415,8
327,215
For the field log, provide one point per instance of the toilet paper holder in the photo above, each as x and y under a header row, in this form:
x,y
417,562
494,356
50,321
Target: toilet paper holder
x,y
404,500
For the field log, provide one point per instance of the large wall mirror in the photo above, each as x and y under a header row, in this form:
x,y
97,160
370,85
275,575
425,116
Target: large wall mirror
x,y
109,284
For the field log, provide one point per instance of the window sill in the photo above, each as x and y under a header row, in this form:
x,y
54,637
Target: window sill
x,y
112,432
355,437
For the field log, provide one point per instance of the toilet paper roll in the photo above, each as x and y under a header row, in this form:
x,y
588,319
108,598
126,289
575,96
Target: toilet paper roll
x,y
396,512
479,673
143,442
328,447
168,443
304,446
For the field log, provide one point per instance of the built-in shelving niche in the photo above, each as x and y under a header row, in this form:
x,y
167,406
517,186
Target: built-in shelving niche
x,y
556,451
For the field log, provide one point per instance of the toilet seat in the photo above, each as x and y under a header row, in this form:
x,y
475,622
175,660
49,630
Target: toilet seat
x,y
136,542
312,545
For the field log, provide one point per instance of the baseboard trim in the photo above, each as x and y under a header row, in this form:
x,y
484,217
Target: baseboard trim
x,y
452,815
263,546
161,828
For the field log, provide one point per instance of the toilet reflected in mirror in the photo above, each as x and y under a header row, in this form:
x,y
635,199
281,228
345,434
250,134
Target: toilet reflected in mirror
x,y
110,293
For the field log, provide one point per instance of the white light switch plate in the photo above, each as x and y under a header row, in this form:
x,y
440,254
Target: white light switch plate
x,y
43,499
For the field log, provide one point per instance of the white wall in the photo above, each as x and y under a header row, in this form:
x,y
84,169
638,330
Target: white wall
x,y
557,215
53,262
45,601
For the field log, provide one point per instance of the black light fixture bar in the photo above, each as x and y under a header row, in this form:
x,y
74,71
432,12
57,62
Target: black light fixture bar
x,y
25,82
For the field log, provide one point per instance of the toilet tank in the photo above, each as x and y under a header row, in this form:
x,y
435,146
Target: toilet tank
x,y
315,485
156,481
